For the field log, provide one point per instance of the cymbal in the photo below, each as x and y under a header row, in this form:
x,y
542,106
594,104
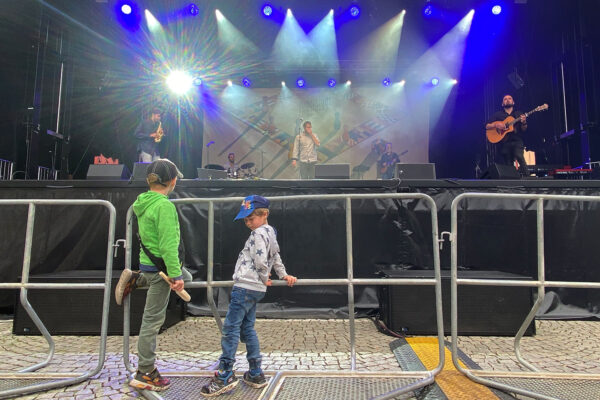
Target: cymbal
x,y
247,165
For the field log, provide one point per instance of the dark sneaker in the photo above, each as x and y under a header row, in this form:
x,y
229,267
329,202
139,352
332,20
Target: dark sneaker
x,y
257,381
218,385
127,282
151,381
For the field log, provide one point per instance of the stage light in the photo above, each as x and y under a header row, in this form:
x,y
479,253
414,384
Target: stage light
x,y
300,82
267,10
282,83
454,81
355,11
229,83
386,81
126,9
496,10
348,83
435,81
289,12
197,81
246,82
193,9
402,82
331,83
179,82
219,15
428,10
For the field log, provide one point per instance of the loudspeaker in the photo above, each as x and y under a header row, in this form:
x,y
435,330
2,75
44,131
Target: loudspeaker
x,y
332,171
109,172
79,311
415,171
140,171
482,310
501,171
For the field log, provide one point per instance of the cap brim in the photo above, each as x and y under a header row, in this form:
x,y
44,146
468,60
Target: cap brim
x,y
243,214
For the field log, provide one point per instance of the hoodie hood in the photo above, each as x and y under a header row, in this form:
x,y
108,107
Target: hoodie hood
x,y
147,200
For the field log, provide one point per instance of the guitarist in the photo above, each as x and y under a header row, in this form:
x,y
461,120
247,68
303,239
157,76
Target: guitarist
x,y
512,145
387,162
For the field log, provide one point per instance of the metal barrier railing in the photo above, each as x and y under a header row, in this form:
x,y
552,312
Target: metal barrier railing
x,y
24,286
46,174
541,283
428,376
6,170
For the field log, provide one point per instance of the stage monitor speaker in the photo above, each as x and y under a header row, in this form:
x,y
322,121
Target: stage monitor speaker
x,y
415,171
501,171
332,171
208,173
482,310
108,172
140,170
79,311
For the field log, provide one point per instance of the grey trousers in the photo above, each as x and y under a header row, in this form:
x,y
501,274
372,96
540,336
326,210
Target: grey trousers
x,y
307,170
155,312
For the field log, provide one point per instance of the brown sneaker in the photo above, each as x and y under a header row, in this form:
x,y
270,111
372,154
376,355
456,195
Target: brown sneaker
x,y
150,381
127,283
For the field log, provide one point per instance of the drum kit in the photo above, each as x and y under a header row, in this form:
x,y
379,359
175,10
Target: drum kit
x,y
246,171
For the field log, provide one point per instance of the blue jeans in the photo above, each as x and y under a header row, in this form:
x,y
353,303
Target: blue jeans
x,y
239,324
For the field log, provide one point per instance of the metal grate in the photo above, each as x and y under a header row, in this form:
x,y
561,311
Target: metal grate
x,y
565,389
16,383
188,388
329,388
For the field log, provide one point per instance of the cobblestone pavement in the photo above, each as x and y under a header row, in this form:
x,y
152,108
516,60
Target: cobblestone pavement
x,y
193,345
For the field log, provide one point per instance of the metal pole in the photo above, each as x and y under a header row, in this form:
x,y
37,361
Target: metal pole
x,y
350,267
210,268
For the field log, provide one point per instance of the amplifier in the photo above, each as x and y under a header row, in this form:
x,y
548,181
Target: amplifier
x,y
79,311
482,310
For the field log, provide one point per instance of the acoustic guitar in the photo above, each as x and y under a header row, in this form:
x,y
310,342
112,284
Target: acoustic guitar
x,y
495,135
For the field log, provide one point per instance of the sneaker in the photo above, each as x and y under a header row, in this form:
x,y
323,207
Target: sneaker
x,y
257,381
151,381
127,282
218,385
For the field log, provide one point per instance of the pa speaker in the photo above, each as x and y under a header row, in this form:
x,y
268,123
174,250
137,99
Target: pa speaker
x,y
140,170
108,172
482,310
332,171
501,171
79,311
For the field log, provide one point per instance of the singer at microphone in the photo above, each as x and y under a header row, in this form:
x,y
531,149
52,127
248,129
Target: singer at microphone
x,y
305,151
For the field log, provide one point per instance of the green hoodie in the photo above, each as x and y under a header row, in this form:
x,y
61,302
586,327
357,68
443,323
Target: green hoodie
x,y
159,229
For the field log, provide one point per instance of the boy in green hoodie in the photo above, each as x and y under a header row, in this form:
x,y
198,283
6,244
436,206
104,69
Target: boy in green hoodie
x,y
159,233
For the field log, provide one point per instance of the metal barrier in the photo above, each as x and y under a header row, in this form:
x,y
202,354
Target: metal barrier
x,y
46,174
425,377
19,383
6,170
565,385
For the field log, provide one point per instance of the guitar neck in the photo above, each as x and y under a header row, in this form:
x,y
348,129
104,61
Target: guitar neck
x,y
527,114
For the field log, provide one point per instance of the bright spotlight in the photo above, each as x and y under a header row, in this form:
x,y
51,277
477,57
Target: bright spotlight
x,y
152,22
348,83
428,10
300,82
402,82
179,82
282,83
435,81
331,82
454,81
126,9
267,10
246,82
197,81
355,11
386,81
219,15
229,83
496,10
193,9
289,12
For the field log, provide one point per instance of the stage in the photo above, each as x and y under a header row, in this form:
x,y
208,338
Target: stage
x,y
494,235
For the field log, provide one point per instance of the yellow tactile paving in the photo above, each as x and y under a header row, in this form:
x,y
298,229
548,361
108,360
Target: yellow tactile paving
x,y
454,384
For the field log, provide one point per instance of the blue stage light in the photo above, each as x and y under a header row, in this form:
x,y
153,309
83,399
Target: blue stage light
x,y
267,10
428,10
331,82
300,82
246,82
435,81
355,11
386,81
193,9
126,9
496,10
197,81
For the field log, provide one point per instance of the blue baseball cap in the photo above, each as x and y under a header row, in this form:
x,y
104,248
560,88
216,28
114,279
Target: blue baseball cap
x,y
250,204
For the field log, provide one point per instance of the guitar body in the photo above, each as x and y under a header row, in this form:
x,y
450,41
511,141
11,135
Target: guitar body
x,y
496,135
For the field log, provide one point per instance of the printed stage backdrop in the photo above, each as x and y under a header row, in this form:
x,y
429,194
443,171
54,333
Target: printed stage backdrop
x,y
353,125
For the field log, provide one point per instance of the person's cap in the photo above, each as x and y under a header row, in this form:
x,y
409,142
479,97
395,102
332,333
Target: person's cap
x,y
250,204
165,169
